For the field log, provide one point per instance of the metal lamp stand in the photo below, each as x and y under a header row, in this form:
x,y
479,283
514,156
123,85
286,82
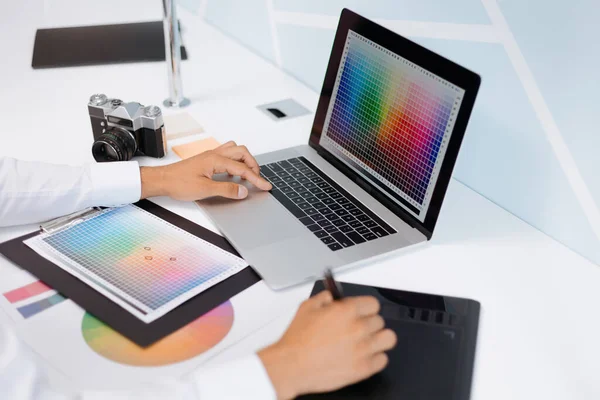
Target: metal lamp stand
x,y
173,56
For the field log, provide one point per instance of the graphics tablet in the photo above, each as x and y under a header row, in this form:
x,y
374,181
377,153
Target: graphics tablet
x,y
434,357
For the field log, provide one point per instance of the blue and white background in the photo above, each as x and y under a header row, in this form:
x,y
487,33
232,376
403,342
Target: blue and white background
x,y
533,142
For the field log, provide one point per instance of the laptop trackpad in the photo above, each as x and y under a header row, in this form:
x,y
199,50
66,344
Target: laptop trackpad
x,y
255,222
274,226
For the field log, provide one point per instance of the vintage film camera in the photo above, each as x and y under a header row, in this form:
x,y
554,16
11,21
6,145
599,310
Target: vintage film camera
x,y
122,130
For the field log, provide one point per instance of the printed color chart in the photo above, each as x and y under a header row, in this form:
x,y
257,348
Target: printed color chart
x,y
391,120
140,261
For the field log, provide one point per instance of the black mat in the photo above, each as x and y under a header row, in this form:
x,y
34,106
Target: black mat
x,y
435,354
100,44
114,315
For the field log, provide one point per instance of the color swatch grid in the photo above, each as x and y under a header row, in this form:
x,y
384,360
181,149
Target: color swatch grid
x,y
142,262
21,295
392,118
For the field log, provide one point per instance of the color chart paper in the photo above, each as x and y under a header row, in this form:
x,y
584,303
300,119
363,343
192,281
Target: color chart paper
x,y
391,120
138,260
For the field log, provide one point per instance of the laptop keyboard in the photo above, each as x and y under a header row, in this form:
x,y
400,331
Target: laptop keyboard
x,y
327,210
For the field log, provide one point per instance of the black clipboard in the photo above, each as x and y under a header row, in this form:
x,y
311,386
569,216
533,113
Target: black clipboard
x,y
141,333
100,45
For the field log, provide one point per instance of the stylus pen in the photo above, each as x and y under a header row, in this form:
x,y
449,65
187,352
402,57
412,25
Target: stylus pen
x,y
332,285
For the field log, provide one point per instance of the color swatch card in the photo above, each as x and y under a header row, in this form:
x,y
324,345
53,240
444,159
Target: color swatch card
x,y
141,262
181,125
391,120
189,150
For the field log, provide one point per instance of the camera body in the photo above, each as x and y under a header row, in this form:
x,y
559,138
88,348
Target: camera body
x,y
122,130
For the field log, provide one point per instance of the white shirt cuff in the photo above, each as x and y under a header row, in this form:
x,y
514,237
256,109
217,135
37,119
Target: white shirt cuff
x,y
244,378
115,183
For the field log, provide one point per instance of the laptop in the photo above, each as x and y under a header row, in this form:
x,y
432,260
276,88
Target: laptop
x,y
371,180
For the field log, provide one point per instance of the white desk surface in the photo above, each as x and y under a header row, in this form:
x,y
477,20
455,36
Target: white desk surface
x,y
538,336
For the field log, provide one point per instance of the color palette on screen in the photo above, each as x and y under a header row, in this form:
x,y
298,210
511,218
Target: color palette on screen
x,y
20,295
393,118
190,341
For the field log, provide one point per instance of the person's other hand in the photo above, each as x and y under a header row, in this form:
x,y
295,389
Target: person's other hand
x,y
329,345
191,179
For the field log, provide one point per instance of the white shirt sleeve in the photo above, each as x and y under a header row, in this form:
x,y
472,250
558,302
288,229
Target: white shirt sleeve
x,y
22,379
36,192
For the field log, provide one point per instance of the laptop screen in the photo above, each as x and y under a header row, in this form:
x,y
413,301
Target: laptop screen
x,y
390,121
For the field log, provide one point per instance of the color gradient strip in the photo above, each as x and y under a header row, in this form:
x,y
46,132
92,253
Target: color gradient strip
x,y
27,291
34,308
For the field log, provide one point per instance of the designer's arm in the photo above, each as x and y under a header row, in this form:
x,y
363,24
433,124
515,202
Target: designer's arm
x,y
35,192
22,377
327,346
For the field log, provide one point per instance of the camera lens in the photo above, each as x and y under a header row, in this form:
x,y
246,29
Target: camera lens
x,y
116,144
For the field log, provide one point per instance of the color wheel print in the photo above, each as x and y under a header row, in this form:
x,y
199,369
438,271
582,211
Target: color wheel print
x,y
189,341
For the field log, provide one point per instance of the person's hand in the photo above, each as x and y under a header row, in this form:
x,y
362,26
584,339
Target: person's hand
x,y
191,179
328,345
